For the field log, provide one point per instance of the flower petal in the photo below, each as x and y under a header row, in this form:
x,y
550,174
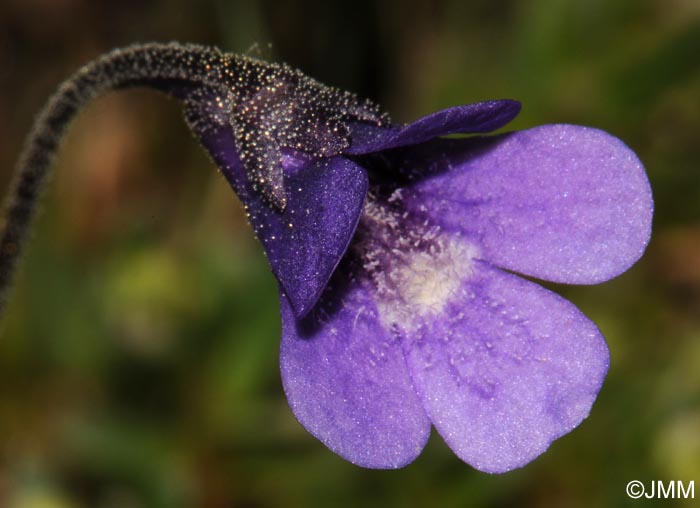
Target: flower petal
x,y
558,202
505,369
304,243
479,117
347,383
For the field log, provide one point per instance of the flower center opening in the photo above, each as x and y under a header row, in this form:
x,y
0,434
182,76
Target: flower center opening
x,y
416,268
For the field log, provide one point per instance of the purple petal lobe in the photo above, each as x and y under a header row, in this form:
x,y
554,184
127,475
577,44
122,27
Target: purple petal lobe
x,y
505,368
304,243
347,382
479,117
558,202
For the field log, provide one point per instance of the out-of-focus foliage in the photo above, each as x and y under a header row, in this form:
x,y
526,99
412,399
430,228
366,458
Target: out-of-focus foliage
x,y
138,362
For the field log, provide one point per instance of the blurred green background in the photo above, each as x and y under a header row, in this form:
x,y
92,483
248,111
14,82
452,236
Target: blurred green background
x,y
138,363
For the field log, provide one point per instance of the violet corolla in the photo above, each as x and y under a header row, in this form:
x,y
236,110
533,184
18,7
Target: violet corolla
x,y
396,252
423,323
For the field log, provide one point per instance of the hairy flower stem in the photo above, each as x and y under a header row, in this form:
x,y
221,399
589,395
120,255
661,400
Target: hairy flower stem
x,y
264,107
162,66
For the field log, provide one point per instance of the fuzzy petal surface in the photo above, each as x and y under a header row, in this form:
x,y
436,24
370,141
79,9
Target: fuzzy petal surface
x,y
505,368
347,382
559,202
479,117
306,241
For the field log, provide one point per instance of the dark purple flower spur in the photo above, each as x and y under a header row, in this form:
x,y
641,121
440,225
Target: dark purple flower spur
x,y
396,250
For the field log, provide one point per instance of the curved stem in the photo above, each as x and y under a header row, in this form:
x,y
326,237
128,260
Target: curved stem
x,y
173,68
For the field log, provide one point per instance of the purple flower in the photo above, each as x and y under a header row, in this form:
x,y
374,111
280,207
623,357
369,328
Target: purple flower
x,y
424,322
395,250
